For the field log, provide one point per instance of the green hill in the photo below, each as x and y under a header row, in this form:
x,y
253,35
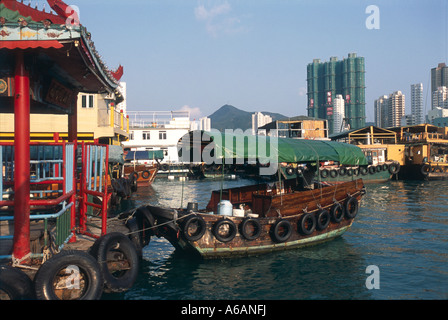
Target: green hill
x,y
229,117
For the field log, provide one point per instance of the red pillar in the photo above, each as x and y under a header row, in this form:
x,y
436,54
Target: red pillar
x,y
73,137
22,160
73,121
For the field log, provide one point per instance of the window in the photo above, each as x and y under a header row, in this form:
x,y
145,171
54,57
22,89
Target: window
x,y
87,101
162,135
131,135
146,135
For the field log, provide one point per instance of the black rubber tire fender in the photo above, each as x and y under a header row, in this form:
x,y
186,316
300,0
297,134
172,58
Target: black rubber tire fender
x,y
112,247
363,171
307,224
146,174
16,284
87,266
201,226
230,235
256,227
276,230
426,169
333,173
324,173
394,168
337,212
322,219
351,207
372,169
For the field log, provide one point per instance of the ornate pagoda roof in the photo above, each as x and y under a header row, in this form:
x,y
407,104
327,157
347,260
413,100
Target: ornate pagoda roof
x,y
60,46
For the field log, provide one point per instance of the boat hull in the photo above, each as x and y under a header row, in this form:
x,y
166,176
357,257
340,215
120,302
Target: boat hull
x,y
272,222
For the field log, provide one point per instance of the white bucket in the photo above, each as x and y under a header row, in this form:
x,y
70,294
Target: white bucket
x,y
225,208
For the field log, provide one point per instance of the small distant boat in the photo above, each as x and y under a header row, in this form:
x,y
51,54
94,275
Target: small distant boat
x,y
259,218
142,166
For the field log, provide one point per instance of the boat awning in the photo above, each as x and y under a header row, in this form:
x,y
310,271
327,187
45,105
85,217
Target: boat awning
x,y
269,149
144,155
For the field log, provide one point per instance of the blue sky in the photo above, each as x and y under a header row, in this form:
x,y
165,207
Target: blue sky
x,y
252,54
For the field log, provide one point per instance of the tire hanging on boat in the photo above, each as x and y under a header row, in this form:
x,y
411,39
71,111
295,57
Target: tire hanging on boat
x,y
351,207
118,260
322,219
77,271
15,283
337,212
197,225
281,230
333,173
394,168
426,169
229,234
363,171
307,224
146,174
253,224
324,173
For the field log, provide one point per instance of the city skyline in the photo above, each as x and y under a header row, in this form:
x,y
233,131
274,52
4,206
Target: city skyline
x,y
200,55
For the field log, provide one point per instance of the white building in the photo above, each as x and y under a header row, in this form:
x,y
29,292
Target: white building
x,y
338,113
439,98
157,130
417,103
259,120
436,113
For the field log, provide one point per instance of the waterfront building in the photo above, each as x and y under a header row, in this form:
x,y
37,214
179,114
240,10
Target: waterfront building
x,y
259,120
417,103
300,127
98,119
436,113
157,130
344,77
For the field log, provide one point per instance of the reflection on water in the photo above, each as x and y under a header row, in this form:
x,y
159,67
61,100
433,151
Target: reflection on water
x,y
402,228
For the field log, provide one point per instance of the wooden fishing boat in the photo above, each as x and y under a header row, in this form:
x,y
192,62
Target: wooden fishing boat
x,y
259,218
255,219
142,166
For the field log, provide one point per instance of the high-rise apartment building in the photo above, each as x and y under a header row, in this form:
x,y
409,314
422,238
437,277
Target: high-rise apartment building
x,y
440,98
344,77
389,110
381,113
396,108
439,77
417,103
338,114
259,120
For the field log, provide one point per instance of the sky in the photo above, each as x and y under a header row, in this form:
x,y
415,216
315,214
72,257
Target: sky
x,y
198,55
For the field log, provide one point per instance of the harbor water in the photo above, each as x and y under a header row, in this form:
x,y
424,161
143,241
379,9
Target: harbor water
x,y
396,249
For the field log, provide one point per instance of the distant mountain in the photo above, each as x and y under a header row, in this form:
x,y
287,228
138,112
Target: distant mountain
x,y
229,117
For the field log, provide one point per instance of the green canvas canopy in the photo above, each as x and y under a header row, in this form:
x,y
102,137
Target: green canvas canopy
x,y
269,149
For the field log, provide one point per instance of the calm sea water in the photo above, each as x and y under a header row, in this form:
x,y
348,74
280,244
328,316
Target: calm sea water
x,y
401,230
